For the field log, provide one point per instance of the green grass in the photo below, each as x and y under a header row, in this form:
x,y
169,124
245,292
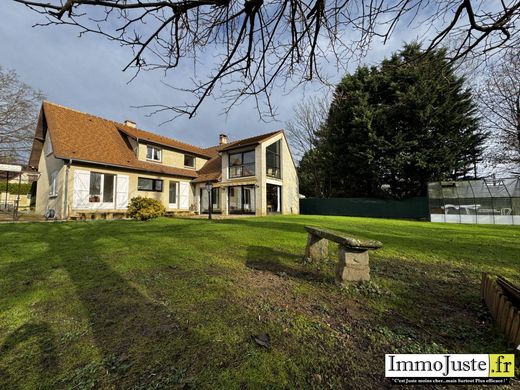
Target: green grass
x,y
173,302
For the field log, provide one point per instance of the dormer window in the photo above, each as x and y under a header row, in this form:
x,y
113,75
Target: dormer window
x,y
153,153
189,161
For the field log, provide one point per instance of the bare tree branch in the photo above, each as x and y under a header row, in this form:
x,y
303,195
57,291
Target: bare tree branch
x,y
499,100
259,45
19,107
308,118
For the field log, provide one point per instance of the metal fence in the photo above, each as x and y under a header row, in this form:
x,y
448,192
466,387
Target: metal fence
x,y
483,201
413,208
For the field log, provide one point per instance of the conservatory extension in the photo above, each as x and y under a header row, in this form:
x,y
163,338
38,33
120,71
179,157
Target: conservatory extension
x,y
491,201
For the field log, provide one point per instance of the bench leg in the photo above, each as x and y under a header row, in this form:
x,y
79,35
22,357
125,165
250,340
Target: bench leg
x,y
352,266
317,248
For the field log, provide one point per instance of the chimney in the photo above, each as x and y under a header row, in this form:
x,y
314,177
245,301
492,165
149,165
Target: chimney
x,y
130,123
223,139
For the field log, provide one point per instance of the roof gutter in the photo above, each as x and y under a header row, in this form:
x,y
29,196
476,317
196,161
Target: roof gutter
x,y
123,167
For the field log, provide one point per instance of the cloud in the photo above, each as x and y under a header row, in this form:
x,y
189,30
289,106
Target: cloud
x,y
86,74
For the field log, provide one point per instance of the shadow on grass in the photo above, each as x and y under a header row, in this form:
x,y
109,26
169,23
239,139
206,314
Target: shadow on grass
x,y
44,363
134,334
268,259
418,241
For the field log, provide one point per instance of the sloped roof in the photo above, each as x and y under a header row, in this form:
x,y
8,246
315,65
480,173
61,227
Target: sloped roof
x,y
80,136
84,137
164,141
211,171
249,141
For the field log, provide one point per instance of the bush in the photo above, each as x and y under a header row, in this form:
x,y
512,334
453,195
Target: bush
x,y
143,209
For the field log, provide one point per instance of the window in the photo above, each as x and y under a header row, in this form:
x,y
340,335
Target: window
x,y
153,153
242,164
95,187
215,198
189,161
48,146
172,195
101,187
272,154
53,184
145,184
247,197
108,188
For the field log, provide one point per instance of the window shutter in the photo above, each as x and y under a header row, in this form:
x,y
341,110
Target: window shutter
x,y
81,189
184,197
122,192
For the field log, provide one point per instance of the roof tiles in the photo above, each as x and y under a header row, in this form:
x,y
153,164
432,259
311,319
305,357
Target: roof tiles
x,y
84,137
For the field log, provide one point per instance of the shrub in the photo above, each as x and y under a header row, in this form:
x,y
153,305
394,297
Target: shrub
x,y
143,209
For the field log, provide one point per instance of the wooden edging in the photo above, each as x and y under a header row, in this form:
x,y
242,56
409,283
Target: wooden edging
x,y
503,311
510,290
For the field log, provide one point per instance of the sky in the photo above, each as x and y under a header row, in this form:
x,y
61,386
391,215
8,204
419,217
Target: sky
x,y
86,74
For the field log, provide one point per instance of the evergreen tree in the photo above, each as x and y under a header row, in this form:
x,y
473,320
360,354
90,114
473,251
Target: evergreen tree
x,y
391,129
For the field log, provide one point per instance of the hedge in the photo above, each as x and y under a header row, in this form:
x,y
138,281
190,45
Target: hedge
x,y
16,188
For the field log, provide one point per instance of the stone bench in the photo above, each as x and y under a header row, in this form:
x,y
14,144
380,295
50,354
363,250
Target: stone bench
x,y
353,263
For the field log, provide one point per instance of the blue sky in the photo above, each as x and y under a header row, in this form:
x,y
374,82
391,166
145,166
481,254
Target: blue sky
x,y
86,74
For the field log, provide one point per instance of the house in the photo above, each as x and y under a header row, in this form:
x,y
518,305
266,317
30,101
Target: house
x,y
90,165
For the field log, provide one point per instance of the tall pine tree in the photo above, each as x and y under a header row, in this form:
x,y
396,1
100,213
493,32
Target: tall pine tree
x,y
391,129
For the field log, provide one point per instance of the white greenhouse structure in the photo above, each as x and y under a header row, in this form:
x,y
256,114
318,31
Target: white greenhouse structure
x,y
482,201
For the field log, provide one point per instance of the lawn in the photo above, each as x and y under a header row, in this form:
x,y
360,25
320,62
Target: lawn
x,y
174,302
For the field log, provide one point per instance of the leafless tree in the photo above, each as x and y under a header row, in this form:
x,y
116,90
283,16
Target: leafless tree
x,y
308,117
19,107
257,45
500,105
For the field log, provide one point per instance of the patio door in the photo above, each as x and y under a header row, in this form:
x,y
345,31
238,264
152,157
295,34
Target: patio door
x,y
215,200
249,199
241,200
172,195
204,200
274,199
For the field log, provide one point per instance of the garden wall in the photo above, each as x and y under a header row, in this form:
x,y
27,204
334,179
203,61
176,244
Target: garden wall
x,y
413,208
